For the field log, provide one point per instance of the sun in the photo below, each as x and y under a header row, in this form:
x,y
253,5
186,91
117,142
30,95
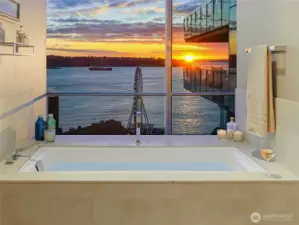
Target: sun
x,y
189,58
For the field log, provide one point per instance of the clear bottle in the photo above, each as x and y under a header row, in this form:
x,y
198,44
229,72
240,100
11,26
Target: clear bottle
x,y
231,127
2,33
51,122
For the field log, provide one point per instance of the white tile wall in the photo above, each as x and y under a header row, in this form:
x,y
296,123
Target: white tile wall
x,y
277,28
287,134
23,78
287,138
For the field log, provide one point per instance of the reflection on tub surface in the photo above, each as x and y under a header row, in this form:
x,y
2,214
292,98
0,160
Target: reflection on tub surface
x,y
137,166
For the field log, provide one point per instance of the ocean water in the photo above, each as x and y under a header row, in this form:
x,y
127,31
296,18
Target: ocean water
x,y
191,115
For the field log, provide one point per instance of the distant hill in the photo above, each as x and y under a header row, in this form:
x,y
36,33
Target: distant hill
x,y
61,61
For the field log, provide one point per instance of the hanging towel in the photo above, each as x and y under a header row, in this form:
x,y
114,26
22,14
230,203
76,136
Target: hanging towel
x,y
260,102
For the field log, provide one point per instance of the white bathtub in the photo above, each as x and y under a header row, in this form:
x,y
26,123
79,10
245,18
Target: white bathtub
x,y
113,159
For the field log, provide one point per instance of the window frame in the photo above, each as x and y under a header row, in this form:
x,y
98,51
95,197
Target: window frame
x,y
6,16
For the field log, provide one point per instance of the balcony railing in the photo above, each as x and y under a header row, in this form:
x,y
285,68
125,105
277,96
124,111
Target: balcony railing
x,y
207,17
216,80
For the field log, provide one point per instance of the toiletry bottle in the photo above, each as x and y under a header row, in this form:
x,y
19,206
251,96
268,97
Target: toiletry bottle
x,y
39,128
51,122
20,34
26,40
231,127
2,33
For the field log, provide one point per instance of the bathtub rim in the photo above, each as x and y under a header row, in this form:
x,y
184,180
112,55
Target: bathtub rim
x,y
247,163
10,174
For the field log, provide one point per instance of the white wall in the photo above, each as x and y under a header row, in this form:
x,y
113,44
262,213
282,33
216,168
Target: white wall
x,y
273,22
22,78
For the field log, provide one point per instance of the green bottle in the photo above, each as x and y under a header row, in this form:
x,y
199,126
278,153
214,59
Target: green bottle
x,y
51,122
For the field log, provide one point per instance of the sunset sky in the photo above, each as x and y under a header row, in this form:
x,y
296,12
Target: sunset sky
x,y
129,28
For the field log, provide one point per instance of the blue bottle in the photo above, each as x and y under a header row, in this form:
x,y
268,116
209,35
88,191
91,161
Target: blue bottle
x,y
39,129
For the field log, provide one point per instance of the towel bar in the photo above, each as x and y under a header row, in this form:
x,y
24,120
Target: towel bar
x,y
273,48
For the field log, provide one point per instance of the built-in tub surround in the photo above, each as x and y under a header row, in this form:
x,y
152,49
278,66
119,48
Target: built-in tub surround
x,y
144,197
158,158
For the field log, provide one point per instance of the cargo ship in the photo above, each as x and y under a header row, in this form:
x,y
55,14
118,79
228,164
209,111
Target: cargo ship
x,y
100,68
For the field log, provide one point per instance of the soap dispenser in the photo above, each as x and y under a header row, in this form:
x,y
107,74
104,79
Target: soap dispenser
x,y
2,33
231,127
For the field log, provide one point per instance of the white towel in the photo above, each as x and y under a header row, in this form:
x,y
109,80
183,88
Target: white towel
x,y
260,107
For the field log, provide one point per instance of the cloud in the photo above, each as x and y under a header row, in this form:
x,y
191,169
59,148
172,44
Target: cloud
x,y
81,50
109,30
187,7
128,3
91,8
63,4
159,19
148,11
83,20
93,52
67,3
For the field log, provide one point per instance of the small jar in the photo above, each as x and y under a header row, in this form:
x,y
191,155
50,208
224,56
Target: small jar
x,y
238,136
221,134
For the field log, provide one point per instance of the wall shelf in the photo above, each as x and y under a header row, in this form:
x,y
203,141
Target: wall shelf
x,y
15,49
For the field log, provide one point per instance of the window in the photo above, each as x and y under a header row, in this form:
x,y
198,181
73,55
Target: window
x,y
95,47
10,8
200,66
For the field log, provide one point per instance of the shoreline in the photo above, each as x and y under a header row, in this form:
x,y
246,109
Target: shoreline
x,y
107,127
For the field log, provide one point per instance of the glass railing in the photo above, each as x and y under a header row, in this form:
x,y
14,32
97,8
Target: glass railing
x,y
207,17
233,17
217,14
209,80
232,2
212,80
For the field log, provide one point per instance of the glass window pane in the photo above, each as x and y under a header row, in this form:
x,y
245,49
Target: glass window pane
x,y
109,115
9,8
80,79
198,115
190,54
104,41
